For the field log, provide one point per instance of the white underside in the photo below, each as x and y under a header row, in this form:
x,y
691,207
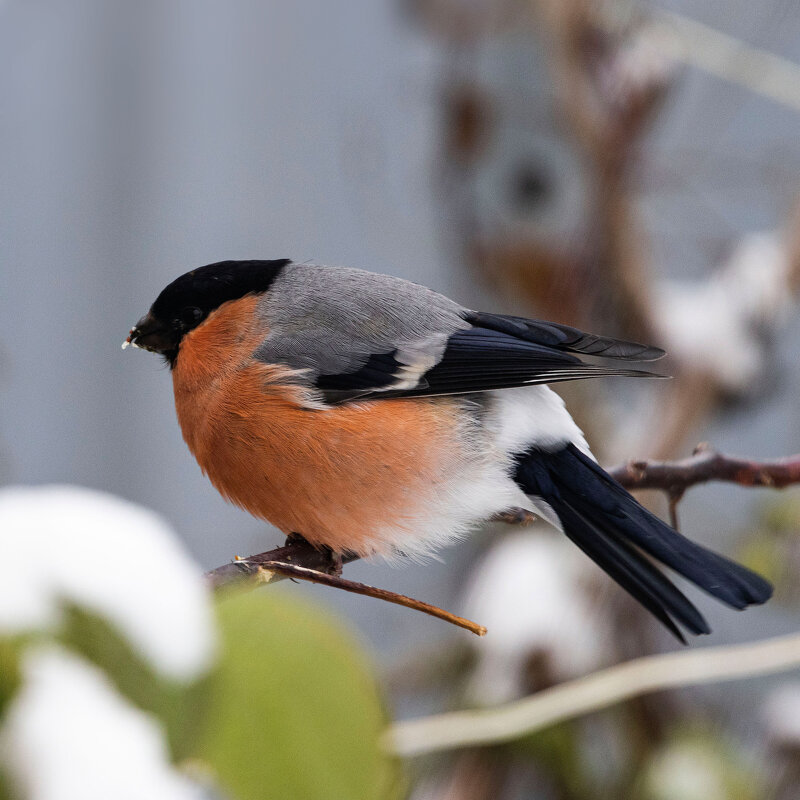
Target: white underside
x,y
481,484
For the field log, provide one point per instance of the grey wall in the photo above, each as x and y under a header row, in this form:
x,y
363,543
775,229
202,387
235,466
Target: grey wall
x,y
140,139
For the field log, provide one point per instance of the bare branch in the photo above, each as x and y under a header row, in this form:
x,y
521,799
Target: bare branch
x,y
675,477
300,560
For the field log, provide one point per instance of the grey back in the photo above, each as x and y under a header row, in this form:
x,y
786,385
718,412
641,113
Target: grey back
x,y
329,320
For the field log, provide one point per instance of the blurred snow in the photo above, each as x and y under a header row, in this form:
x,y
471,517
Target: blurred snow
x,y
111,557
714,326
69,736
642,64
689,771
533,593
782,715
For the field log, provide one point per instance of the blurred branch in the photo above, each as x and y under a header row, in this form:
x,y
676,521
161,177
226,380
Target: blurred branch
x,y
611,72
729,58
607,101
592,693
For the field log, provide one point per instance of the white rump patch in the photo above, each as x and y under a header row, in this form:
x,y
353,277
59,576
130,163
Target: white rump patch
x,y
531,416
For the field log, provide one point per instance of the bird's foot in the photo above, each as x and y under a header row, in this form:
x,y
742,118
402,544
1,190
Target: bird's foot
x,y
331,562
334,561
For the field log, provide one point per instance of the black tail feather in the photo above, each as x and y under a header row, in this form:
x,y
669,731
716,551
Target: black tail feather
x,y
726,580
607,523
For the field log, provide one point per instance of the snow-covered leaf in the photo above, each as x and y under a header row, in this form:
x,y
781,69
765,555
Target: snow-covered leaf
x,y
69,545
69,736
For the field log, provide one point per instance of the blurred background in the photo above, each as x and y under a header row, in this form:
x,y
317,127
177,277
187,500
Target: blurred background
x,y
625,167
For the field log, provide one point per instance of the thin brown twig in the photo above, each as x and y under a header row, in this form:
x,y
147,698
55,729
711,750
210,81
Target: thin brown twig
x,y
268,569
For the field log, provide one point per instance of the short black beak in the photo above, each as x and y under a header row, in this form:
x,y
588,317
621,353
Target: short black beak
x,y
150,334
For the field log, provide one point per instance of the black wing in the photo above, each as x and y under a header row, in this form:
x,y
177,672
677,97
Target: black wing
x,y
495,352
562,337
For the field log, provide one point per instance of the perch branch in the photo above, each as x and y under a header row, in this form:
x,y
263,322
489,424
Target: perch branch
x,y
296,551
298,559
675,477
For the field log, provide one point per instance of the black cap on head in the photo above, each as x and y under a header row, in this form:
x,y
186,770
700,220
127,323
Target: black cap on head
x,y
188,300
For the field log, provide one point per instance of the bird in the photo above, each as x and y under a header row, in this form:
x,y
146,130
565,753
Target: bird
x,y
376,417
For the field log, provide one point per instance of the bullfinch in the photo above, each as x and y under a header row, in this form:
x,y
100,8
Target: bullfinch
x,y
373,416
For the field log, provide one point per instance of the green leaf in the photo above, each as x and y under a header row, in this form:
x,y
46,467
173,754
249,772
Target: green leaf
x,y
292,710
5,787
9,671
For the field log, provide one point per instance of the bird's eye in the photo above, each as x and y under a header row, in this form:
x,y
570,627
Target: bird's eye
x,y
191,315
